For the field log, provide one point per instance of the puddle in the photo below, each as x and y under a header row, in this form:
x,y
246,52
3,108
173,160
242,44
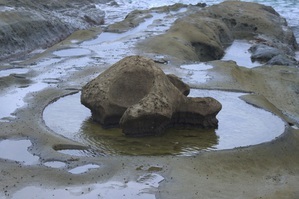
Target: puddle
x,y
108,37
84,168
197,67
196,73
17,150
144,188
239,53
4,73
240,124
14,99
55,164
72,52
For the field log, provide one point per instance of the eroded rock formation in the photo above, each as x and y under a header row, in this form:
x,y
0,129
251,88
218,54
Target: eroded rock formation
x,y
204,34
26,25
136,95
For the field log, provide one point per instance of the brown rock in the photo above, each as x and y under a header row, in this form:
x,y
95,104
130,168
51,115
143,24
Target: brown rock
x,y
204,34
136,95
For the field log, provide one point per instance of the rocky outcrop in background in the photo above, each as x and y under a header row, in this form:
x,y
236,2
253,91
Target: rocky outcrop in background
x,y
26,25
204,34
136,95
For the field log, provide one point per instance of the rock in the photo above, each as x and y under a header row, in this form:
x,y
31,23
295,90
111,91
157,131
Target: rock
x,y
132,20
204,34
282,59
26,25
247,20
184,88
136,17
192,38
24,31
263,53
136,95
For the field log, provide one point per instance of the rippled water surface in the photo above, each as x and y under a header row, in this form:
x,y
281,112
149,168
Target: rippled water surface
x,y
240,124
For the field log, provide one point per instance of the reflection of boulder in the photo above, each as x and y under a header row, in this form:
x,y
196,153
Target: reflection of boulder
x,y
174,142
204,34
135,94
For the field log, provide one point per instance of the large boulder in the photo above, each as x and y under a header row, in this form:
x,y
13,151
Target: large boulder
x,y
204,34
136,95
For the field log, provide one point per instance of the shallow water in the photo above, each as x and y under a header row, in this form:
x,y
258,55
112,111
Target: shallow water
x,y
240,124
17,71
239,53
72,52
84,168
55,164
14,99
194,74
17,150
143,188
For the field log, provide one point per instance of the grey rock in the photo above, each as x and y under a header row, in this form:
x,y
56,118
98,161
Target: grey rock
x,y
26,25
263,53
282,60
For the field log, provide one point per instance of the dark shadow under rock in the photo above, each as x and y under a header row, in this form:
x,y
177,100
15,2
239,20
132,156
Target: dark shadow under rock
x,y
136,95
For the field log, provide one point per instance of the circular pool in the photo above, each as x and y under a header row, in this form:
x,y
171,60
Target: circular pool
x,y
240,124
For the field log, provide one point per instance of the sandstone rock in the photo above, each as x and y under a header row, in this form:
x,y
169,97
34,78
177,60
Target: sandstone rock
x,y
26,25
132,20
247,20
192,38
137,96
204,34
184,88
24,31
136,17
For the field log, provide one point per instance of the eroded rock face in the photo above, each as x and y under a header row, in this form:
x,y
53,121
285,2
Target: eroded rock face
x,y
26,25
136,95
204,34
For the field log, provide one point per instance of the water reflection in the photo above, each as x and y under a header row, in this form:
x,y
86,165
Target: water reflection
x,y
240,124
172,142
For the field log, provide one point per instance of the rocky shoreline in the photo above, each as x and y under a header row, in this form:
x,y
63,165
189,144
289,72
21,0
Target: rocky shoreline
x,y
26,26
267,170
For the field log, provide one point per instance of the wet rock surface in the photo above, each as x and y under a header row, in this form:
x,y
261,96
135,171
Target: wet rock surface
x,y
27,25
135,94
271,168
204,34
136,17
